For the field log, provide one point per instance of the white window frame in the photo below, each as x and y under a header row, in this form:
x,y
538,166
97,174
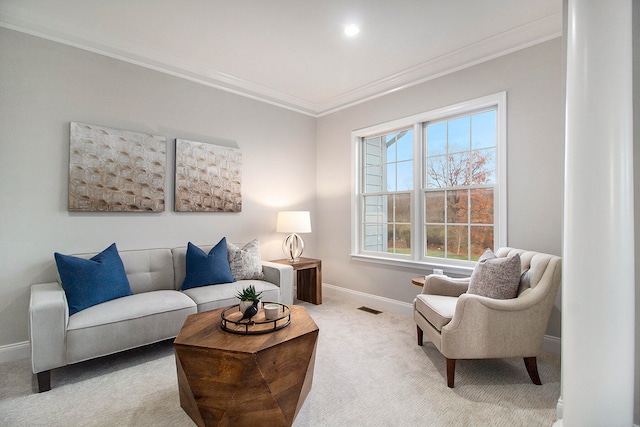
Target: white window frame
x,y
417,260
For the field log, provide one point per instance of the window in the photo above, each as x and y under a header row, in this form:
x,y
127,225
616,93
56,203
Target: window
x,y
430,188
388,183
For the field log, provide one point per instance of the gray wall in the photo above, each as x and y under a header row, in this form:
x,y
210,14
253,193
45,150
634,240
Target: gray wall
x,y
532,79
46,85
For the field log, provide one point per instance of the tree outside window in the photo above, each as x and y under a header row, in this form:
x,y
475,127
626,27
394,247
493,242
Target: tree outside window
x,y
460,179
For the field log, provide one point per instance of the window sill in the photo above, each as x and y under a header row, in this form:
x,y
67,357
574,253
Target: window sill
x,y
427,267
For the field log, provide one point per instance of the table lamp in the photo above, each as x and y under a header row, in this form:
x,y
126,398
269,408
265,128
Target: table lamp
x,y
293,222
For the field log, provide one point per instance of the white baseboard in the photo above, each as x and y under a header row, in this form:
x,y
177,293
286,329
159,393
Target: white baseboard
x,y
550,344
559,408
373,301
12,352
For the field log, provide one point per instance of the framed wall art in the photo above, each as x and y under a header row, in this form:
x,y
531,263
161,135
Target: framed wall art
x,y
113,170
208,177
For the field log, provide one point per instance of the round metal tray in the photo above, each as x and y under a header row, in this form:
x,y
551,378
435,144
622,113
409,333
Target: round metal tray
x,y
231,321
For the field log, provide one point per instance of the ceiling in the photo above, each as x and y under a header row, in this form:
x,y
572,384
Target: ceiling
x,y
294,53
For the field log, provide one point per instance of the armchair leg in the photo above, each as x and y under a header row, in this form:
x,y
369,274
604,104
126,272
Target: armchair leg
x,y
451,371
532,369
420,335
44,381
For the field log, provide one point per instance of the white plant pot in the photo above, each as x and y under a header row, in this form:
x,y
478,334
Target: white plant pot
x,y
246,304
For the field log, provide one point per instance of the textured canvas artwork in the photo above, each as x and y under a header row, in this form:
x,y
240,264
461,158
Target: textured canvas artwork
x,y
208,177
113,170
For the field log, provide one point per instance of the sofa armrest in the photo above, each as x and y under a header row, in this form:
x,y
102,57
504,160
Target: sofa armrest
x,y
435,284
280,275
48,317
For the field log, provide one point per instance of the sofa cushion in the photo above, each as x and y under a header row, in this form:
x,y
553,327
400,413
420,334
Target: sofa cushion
x,y
148,269
207,269
223,295
245,262
495,277
87,282
126,323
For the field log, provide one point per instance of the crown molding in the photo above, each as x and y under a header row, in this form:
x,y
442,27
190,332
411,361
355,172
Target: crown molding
x,y
42,25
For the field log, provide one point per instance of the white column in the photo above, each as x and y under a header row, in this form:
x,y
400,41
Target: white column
x,y
598,255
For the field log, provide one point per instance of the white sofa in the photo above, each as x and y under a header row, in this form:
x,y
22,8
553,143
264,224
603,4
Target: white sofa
x,y
155,312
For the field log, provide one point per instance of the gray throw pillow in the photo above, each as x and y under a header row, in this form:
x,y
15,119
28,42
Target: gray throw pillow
x,y
246,262
494,277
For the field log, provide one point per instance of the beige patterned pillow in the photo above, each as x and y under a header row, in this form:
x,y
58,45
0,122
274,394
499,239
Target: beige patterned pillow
x,y
494,277
245,263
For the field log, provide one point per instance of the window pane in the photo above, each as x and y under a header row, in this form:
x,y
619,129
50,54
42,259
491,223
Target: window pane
x,y
434,209
483,166
437,172
391,177
457,206
481,239
405,176
390,208
457,242
373,179
400,239
373,240
483,130
481,201
373,151
435,241
437,139
459,134
403,208
374,209
405,146
373,159
458,170
391,147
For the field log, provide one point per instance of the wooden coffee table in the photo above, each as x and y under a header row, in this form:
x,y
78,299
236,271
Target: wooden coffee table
x,y
226,379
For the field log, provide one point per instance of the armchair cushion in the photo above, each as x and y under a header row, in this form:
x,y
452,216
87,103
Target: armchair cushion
x,y
494,277
88,282
437,309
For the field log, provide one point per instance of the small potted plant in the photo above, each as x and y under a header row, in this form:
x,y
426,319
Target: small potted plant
x,y
247,296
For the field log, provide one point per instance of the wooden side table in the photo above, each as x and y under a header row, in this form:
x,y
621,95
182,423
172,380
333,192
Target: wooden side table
x,y
308,278
418,281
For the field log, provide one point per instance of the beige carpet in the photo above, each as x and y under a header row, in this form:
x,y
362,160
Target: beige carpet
x,y
369,372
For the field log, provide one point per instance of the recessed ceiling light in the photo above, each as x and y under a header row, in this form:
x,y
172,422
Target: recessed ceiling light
x,y
351,30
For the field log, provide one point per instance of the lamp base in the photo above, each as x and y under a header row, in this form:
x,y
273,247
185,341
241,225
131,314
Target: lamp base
x,y
292,247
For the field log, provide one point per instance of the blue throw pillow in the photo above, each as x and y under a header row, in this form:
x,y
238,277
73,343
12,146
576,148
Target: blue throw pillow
x,y
207,269
88,282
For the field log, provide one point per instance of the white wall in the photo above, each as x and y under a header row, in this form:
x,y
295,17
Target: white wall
x,y
46,85
532,79
636,169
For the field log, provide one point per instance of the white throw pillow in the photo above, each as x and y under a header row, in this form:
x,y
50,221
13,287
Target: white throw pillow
x,y
245,263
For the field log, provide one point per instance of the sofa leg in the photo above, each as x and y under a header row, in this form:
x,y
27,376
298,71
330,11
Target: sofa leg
x,y
44,381
451,371
420,335
532,369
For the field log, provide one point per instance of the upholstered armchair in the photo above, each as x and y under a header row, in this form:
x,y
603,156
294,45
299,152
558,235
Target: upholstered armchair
x,y
464,325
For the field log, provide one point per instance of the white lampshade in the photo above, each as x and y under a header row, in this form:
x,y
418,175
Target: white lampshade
x,y
293,222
